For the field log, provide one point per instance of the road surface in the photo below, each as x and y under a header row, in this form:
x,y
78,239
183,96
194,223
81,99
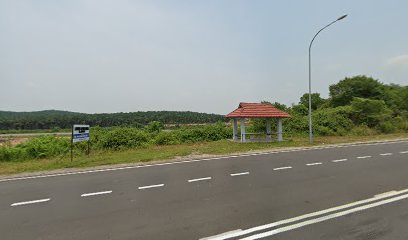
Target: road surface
x,y
343,192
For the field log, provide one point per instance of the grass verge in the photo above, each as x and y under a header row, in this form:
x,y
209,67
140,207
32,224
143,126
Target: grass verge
x,y
223,147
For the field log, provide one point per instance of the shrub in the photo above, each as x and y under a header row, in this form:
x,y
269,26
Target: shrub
x,y
167,138
362,130
120,138
387,127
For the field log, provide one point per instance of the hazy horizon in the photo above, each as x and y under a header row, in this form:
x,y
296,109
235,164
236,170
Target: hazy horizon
x,y
200,56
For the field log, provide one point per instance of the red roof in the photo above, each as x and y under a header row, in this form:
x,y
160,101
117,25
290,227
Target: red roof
x,y
257,110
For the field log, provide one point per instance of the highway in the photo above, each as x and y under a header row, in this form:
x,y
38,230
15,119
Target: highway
x,y
337,192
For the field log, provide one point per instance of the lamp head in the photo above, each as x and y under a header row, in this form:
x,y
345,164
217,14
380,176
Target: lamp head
x,y
340,18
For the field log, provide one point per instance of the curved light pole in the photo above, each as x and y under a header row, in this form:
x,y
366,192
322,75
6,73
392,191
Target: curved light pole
x,y
310,77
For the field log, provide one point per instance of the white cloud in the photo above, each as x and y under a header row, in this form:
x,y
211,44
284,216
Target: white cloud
x,y
398,61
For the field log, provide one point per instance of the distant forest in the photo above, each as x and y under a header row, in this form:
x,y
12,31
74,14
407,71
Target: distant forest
x,y
51,119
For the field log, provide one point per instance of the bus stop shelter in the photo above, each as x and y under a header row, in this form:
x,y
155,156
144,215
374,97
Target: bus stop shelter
x,y
256,110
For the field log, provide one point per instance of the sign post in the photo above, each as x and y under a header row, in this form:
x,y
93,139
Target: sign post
x,y
80,133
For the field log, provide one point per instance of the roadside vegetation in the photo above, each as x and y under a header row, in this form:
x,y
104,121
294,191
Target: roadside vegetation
x,y
359,108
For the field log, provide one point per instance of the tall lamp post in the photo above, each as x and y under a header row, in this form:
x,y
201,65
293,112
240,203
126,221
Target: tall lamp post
x,y
310,78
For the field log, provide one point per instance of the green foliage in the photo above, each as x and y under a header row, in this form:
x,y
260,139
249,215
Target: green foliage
x,y
154,127
317,101
362,130
333,121
369,112
120,138
35,148
61,119
344,91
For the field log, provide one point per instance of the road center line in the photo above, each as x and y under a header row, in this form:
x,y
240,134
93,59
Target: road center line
x,y
282,168
386,154
404,152
340,160
199,179
95,193
151,186
313,164
362,157
30,202
239,174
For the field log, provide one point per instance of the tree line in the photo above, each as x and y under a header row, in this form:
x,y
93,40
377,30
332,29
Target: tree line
x,y
50,119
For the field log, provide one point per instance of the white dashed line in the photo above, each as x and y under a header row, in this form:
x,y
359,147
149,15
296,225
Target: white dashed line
x,y
30,202
282,168
151,186
95,193
340,160
404,152
239,174
362,157
313,164
386,154
199,179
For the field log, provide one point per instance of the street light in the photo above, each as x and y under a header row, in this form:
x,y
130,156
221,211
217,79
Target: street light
x,y
310,77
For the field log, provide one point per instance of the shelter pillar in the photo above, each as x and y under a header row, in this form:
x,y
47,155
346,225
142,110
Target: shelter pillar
x,y
243,130
280,138
268,129
235,129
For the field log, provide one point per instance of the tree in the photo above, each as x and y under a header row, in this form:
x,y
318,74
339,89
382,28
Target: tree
x,y
361,86
317,101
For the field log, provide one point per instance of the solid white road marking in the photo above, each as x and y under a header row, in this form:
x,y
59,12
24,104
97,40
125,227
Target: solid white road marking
x,y
282,168
199,179
313,164
309,215
30,202
221,235
207,159
325,218
386,154
239,174
95,193
362,157
386,194
151,186
340,160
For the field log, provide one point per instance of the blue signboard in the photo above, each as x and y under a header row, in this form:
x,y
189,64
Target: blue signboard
x,y
80,133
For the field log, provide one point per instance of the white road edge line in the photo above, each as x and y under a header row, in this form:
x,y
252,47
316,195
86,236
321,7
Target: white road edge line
x,y
239,174
30,202
151,186
95,193
199,179
340,160
313,164
282,168
386,154
362,157
325,218
205,159
308,215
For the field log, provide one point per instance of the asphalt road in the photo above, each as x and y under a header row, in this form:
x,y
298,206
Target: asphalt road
x,y
240,197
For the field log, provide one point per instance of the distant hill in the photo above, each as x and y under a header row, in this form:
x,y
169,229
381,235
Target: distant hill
x,y
49,119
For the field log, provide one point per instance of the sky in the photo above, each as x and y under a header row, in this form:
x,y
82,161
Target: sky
x,y
192,55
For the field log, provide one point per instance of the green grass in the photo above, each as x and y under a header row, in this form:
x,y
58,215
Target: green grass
x,y
222,147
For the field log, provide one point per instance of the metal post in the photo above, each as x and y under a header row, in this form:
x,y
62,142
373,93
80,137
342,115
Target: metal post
x,y
310,78
72,141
